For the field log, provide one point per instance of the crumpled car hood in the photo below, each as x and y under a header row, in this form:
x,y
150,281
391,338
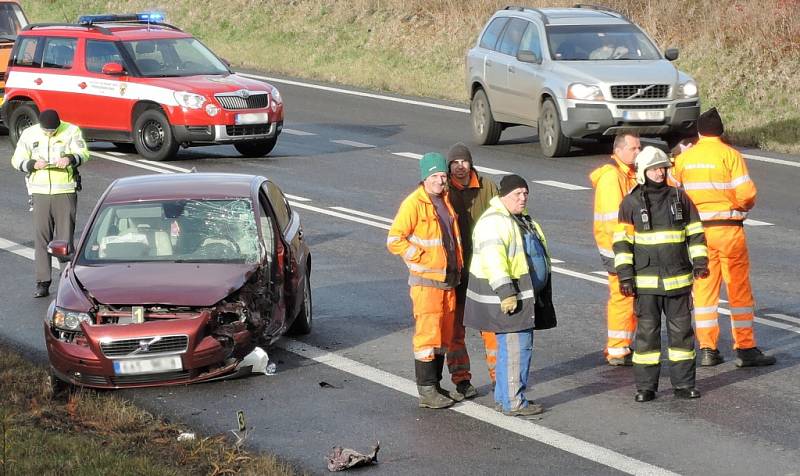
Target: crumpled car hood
x,y
177,284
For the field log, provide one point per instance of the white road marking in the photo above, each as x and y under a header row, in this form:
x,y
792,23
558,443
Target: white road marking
x,y
600,273
784,317
524,428
363,214
131,163
295,132
166,166
486,170
357,93
567,186
339,215
751,222
353,143
295,197
557,261
22,250
771,160
115,153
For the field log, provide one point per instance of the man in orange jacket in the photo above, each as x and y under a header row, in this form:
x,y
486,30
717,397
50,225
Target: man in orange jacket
x,y
715,177
425,234
611,183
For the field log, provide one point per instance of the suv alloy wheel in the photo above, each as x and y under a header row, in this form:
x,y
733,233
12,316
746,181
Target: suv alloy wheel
x,y
551,140
484,128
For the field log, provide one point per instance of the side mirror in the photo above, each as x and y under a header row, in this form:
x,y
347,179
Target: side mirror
x,y
226,62
671,54
61,250
113,69
528,57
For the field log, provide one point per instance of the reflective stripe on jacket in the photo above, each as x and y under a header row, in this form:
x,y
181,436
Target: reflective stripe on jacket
x,y
416,236
611,183
660,259
715,177
499,269
34,145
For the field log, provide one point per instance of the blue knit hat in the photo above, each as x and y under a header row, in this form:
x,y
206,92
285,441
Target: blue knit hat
x,y
431,163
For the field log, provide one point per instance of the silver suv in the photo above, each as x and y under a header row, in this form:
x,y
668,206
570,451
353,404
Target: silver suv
x,y
583,72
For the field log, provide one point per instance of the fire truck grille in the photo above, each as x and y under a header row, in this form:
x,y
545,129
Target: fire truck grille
x,y
254,101
640,91
145,346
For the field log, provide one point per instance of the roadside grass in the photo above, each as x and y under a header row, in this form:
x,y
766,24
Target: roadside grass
x,y
744,54
97,433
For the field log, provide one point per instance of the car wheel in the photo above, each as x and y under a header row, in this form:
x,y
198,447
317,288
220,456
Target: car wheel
x,y
258,148
302,323
153,136
552,141
484,128
24,116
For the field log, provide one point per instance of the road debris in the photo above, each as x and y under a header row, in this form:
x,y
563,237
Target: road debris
x,y
340,458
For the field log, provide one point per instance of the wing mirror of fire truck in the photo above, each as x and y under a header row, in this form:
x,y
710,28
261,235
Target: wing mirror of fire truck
x,y
113,69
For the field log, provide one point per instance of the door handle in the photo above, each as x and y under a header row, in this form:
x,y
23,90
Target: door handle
x,y
488,62
38,81
512,69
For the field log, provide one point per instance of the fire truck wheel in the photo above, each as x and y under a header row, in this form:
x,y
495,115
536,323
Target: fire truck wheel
x,y
256,148
152,136
23,116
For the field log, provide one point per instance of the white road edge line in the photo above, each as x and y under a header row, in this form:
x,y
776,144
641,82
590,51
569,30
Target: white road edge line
x,y
295,132
486,170
353,143
357,93
131,163
166,166
751,222
363,214
24,251
784,317
295,197
339,215
554,183
528,429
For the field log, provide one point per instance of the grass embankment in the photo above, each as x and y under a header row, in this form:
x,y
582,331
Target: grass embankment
x,y
745,54
88,433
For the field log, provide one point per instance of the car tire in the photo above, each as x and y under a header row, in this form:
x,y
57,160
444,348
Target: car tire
x,y
258,148
485,129
552,141
302,323
21,118
152,136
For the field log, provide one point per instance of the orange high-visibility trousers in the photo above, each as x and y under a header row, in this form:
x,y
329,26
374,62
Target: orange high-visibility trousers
x,y
728,261
434,312
621,321
490,344
457,356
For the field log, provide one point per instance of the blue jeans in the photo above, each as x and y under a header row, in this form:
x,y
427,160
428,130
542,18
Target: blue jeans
x,y
514,353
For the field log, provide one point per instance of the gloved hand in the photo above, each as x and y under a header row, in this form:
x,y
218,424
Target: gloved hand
x,y
509,304
626,288
700,272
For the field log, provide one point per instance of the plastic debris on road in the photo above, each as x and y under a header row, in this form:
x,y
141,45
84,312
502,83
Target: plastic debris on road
x,y
258,360
340,458
186,437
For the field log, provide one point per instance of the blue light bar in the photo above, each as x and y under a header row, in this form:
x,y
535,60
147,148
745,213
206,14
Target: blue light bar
x,y
145,17
152,17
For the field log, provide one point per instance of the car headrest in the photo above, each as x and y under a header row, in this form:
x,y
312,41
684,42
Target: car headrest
x,y
145,47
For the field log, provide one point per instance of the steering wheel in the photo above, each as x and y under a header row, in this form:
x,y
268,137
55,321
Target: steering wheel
x,y
220,246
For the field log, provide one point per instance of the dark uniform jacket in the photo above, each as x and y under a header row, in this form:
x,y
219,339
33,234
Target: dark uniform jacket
x,y
660,258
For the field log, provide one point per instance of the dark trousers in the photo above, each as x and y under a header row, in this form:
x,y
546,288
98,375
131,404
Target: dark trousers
x,y
53,219
647,353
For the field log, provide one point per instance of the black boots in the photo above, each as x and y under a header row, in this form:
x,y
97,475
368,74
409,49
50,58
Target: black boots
x,y
42,289
644,396
686,393
430,394
753,357
710,357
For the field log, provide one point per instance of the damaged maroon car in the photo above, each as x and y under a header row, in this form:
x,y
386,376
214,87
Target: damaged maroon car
x,y
178,278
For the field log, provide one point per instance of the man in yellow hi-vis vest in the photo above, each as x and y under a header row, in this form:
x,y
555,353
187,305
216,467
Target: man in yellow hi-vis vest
x,y
51,152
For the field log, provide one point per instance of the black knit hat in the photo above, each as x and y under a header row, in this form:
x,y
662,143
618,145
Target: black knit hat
x,y
49,119
459,151
710,124
509,183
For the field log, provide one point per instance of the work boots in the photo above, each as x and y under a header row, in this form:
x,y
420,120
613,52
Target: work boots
x,y
466,389
753,358
624,361
530,410
710,357
455,396
42,289
430,394
429,397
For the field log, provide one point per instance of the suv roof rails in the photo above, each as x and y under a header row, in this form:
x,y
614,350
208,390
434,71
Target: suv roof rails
x,y
600,8
519,8
88,26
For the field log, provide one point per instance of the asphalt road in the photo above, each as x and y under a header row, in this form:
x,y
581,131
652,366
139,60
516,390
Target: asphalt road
x,y
348,161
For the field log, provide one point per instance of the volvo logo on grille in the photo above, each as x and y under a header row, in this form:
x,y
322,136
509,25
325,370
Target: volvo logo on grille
x,y
144,345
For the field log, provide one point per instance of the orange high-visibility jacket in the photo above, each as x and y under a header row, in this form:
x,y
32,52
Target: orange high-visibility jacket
x,y
611,182
416,236
715,177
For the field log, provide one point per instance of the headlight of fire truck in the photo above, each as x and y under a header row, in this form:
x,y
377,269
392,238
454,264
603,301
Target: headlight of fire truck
x,y
189,100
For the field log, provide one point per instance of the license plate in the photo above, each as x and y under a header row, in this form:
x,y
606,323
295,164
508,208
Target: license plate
x,y
147,366
643,115
252,118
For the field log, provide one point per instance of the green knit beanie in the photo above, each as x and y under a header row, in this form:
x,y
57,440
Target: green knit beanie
x,y
431,163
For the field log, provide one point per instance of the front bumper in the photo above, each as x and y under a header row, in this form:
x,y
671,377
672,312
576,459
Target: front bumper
x,y
226,134
585,119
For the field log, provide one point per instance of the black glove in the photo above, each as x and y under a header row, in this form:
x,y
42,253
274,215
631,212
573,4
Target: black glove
x,y
700,272
626,288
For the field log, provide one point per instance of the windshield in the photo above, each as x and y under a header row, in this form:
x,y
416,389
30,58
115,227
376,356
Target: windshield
x,y
173,57
11,19
202,231
599,42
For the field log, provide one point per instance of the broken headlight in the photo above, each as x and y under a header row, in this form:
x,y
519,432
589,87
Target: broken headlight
x,y
69,320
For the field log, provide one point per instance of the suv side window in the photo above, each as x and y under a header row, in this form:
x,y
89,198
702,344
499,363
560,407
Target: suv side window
x,y
59,52
489,39
99,53
509,44
279,206
531,41
26,51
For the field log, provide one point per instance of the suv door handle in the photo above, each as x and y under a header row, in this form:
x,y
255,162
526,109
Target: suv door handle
x,y
488,62
38,81
512,69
